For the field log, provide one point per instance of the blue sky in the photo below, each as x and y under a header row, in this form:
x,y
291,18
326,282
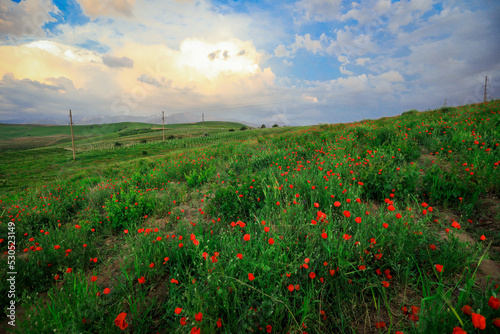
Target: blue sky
x,y
292,62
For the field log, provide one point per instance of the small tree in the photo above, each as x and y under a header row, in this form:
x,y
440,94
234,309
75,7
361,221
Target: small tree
x,y
263,126
243,128
275,125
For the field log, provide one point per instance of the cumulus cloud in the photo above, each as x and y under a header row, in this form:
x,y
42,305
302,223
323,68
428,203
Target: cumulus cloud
x,y
117,62
302,42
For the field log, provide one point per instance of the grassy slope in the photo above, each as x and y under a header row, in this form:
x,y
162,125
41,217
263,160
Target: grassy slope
x,y
317,275
25,136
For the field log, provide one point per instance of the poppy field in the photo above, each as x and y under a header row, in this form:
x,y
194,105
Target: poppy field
x,y
378,226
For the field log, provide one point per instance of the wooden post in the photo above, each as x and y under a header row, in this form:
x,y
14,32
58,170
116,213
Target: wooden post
x,y
163,118
485,85
72,139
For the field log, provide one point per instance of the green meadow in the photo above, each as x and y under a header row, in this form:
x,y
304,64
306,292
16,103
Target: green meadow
x,y
378,226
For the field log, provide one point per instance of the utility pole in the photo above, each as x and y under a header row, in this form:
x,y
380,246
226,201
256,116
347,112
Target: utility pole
x,y
445,101
72,139
163,119
485,85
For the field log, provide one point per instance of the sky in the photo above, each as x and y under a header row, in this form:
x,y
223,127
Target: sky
x,y
292,62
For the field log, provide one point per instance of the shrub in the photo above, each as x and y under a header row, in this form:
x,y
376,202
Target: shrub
x,y
409,112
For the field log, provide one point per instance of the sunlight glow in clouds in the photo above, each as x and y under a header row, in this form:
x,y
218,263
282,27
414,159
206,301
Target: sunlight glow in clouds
x,y
210,60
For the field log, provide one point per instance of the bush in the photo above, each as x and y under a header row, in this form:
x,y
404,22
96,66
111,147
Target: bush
x,y
243,128
409,112
263,126
445,109
275,126
231,130
118,144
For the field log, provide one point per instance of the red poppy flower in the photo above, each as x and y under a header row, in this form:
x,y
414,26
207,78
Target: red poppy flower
x,y
151,265
324,235
482,238
290,288
94,278
271,241
195,330
141,280
178,310
198,317
432,247
183,321
385,284
312,275
494,303
120,321
246,237
385,225
316,205
347,214
251,277
240,256
362,267
174,281
478,321
107,291
219,323
269,328
439,267
337,204
391,208
467,310
347,237
458,330
496,322
358,220
69,270
380,324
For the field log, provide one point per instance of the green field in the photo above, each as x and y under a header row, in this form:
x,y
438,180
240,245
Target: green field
x,y
28,136
378,226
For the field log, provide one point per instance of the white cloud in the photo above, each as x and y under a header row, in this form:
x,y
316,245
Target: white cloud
x,y
344,71
302,42
343,59
95,8
362,61
350,44
282,51
319,10
25,18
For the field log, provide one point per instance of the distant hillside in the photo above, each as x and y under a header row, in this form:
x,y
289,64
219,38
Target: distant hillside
x,y
27,136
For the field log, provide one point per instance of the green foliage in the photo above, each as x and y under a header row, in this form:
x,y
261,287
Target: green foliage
x,y
198,177
410,112
127,210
